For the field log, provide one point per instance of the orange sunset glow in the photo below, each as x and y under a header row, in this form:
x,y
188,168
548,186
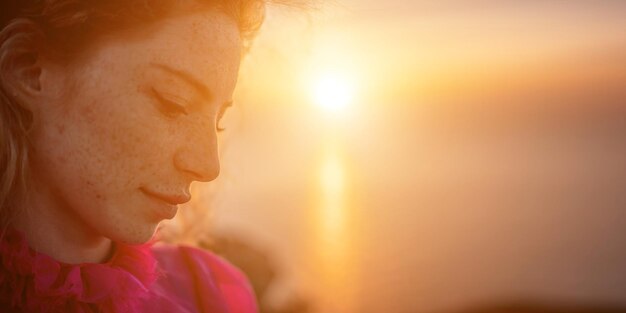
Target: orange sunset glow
x,y
413,156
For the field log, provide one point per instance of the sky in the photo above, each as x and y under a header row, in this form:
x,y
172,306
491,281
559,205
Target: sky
x,y
406,50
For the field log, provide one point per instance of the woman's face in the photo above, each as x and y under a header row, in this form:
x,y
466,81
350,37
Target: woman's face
x,y
128,127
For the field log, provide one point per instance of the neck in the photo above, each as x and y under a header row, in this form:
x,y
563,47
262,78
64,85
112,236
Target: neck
x,y
55,230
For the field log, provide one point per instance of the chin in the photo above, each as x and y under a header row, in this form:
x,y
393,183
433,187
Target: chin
x,y
134,235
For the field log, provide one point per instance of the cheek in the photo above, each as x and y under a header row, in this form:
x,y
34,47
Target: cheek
x,y
112,147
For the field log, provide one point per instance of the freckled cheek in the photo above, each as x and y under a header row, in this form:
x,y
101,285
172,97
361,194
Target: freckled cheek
x,y
107,154
125,147
144,147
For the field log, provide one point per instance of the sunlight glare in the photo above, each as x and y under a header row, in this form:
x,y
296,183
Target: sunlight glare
x,y
333,92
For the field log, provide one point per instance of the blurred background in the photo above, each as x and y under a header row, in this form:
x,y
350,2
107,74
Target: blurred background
x,y
430,156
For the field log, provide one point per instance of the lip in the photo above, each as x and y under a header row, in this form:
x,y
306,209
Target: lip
x,y
173,199
168,204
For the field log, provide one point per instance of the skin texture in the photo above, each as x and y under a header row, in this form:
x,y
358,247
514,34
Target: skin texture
x,y
109,142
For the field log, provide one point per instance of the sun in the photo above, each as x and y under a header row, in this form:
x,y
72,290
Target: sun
x,y
333,91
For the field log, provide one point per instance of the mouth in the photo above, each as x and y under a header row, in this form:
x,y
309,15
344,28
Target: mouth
x,y
167,205
172,199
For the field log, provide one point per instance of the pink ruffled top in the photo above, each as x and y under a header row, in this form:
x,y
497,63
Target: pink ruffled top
x,y
146,278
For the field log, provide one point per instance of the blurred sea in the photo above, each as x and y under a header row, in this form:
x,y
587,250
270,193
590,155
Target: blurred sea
x,y
435,211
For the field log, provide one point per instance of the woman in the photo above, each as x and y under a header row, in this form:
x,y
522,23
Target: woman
x,y
109,110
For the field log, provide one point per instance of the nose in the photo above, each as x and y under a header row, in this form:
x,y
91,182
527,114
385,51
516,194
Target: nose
x,y
199,159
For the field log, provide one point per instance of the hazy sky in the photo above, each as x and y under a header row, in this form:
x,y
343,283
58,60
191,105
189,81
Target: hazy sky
x,y
394,48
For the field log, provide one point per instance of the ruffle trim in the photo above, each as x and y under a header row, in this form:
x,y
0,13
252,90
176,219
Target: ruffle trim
x,y
34,282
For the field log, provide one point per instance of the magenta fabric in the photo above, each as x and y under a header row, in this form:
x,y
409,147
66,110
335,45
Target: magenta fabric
x,y
146,278
194,280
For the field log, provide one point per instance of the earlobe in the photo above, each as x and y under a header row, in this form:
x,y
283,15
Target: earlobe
x,y
20,51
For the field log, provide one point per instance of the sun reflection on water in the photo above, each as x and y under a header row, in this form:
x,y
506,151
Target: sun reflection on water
x,y
333,232
332,206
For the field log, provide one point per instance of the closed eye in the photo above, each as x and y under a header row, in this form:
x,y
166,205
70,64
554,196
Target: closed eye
x,y
168,107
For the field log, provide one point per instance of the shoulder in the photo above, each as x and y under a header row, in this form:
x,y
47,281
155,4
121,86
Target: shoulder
x,y
211,278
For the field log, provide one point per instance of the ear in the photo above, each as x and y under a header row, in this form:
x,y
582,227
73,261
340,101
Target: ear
x,y
21,44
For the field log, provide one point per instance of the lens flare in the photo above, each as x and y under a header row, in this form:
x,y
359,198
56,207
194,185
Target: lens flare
x,y
333,92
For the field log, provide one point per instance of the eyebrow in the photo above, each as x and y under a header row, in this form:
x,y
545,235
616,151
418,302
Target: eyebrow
x,y
203,89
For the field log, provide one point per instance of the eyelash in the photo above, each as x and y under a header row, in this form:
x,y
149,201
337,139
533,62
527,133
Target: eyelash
x,y
173,109
220,115
168,107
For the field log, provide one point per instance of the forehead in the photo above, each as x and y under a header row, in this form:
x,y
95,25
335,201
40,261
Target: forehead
x,y
206,44
207,32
